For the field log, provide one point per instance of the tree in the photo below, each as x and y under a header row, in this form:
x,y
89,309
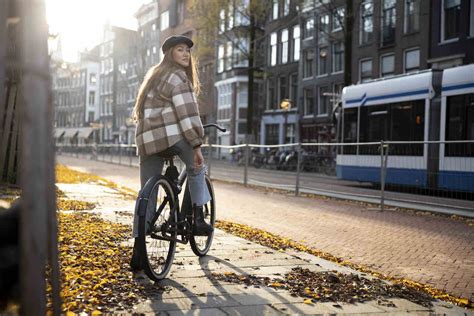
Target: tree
x,y
237,21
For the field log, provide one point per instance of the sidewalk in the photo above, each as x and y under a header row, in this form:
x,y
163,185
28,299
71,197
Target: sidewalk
x,y
191,289
431,250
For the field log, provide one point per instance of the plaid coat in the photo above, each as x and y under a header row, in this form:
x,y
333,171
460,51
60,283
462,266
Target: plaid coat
x,y
170,114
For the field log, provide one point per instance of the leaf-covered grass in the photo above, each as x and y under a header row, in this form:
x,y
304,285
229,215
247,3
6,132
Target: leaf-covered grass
x,y
94,265
67,175
74,205
279,243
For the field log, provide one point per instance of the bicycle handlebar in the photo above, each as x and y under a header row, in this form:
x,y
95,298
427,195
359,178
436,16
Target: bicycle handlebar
x,y
216,126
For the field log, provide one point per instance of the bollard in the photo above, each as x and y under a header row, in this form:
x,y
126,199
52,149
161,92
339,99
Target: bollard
x,y
383,172
120,154
246,164
209,160
298,170
130,150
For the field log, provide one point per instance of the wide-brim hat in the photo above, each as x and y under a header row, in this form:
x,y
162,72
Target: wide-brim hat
x,y
175,40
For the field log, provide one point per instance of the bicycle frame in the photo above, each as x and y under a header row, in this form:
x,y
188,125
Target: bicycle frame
x,y
184,212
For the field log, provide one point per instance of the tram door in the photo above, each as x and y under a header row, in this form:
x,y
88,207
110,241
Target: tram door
x,y
433,130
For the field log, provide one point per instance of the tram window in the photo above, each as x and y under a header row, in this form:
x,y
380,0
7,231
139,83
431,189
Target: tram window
x,y
350,130
374,128
460,125
378,127
407,124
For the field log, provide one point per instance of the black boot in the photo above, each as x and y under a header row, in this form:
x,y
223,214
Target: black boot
x,y
201,228
136,262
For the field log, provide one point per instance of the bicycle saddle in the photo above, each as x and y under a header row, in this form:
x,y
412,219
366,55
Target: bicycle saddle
x,y
168,153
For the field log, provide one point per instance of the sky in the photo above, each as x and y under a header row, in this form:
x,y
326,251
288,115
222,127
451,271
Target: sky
x,y
80,22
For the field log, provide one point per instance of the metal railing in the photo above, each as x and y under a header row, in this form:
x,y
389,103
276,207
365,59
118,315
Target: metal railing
x,y
433,174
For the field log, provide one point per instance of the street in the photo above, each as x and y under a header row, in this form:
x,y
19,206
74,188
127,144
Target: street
x,y
321,184
428,249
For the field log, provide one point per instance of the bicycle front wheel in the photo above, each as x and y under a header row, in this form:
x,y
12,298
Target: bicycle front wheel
x,y
157,228
201,244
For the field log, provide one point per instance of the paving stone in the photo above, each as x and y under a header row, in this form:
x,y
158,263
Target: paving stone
x,y
253,310
186,303
203,311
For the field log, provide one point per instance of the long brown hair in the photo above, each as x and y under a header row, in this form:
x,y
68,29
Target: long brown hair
x,y
164,67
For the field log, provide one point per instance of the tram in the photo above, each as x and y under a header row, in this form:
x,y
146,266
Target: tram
x,y
416,114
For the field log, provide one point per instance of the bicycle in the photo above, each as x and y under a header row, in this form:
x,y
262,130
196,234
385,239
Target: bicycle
x,y
170,223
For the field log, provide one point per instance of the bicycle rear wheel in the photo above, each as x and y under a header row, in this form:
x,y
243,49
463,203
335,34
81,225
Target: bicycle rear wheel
x,y
157,253
201,244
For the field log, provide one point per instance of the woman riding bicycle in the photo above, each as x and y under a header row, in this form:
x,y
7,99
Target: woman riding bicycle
x,y
168,123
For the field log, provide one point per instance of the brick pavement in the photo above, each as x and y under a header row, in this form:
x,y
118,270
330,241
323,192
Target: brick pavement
x,y
431,250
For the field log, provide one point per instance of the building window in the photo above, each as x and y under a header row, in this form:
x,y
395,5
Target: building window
x,y
286,7
293,87
92,98
338,19
284,46
323,61
308,63
222,21
296,43
164,20
240,53
282,88
273,49
240,17
450,19
308,101
271,134
275,9
412,60
412,16
389,17
323,28
365,70
154,49
337,57
230,17
323,101
308,28
228,56
387,65
366,22
220,56
92,79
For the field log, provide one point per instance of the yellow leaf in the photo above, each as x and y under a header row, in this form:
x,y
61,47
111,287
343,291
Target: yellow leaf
x,y
96,312
308,301
463,301
276,284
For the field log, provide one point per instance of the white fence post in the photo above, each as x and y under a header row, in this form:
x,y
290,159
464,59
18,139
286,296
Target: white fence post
x,y
246,166
298,169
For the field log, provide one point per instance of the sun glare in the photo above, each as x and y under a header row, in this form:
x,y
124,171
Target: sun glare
x,y
80,22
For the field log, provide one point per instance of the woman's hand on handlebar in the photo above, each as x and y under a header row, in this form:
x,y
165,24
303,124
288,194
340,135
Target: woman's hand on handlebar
x,y
198,159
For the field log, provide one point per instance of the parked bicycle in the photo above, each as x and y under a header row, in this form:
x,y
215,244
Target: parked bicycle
x,y
170,223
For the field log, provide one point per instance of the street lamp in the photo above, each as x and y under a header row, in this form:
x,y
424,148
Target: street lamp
x,y
285,105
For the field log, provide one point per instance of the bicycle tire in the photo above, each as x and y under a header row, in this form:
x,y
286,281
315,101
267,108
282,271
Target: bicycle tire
x,y
156,267
201,244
